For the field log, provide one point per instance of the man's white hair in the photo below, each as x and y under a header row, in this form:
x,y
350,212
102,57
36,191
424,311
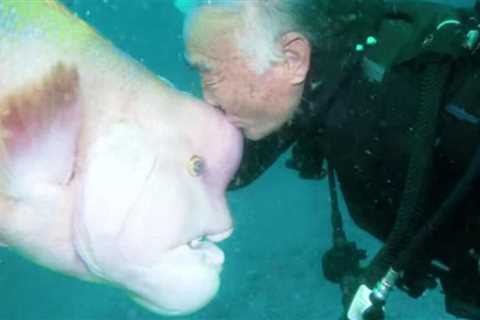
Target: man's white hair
x,y
262,24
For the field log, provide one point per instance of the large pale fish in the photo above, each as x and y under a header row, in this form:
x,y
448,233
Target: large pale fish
x,y
107,173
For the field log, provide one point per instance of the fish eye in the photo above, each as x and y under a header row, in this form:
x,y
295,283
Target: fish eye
x,y
196,166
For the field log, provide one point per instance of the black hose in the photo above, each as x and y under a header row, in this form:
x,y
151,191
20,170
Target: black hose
x,y
336,218
411,212
446,211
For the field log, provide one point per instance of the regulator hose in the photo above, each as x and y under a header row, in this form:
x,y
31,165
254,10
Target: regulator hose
x,y
411,213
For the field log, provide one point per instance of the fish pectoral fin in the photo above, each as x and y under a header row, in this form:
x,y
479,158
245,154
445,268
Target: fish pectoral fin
x,y
39,129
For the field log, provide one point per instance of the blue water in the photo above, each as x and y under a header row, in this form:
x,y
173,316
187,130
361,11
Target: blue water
x,y
272,269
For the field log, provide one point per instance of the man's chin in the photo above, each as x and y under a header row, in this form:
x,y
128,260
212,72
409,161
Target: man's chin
x,y
253,134
256,134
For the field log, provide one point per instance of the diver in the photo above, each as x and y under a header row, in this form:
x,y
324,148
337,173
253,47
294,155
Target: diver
x,y
381,97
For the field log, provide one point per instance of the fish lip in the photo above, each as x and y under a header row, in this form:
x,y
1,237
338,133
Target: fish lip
x,y
219,237
212,238
209,253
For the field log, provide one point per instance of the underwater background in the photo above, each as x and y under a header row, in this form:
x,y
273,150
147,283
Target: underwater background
x,y
282,225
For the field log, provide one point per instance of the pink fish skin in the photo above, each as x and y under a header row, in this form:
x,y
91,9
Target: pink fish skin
x,y
108,173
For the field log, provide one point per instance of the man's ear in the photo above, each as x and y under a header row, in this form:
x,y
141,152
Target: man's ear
x,y
296,49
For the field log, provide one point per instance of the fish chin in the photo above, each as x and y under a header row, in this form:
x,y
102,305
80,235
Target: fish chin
x,y
181,284
156,309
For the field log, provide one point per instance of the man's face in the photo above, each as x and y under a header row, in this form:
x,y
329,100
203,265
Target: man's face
x,y
257,103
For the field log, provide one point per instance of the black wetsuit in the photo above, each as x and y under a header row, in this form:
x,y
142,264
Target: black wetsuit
x,y
364,128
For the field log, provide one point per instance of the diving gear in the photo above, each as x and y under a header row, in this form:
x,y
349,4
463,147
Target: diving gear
x,y
371,41
411,213
456,41
363,129
359,47
341,263
361,303
370,304
471,40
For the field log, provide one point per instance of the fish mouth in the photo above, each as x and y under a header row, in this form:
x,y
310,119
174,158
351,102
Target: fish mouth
x,y
215,238
207,245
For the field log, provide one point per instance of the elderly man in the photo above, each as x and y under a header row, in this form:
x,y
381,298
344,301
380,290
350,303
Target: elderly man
x,y
388,96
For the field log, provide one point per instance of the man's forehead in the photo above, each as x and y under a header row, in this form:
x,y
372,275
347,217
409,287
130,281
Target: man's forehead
x,y
198,60
209,25
211,51
209,61
214,17
213,56
210,35
202,53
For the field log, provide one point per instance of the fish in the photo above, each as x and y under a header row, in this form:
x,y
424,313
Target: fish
x,y
108,173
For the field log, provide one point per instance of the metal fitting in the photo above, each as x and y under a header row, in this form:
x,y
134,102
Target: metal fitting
x,y
385,286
